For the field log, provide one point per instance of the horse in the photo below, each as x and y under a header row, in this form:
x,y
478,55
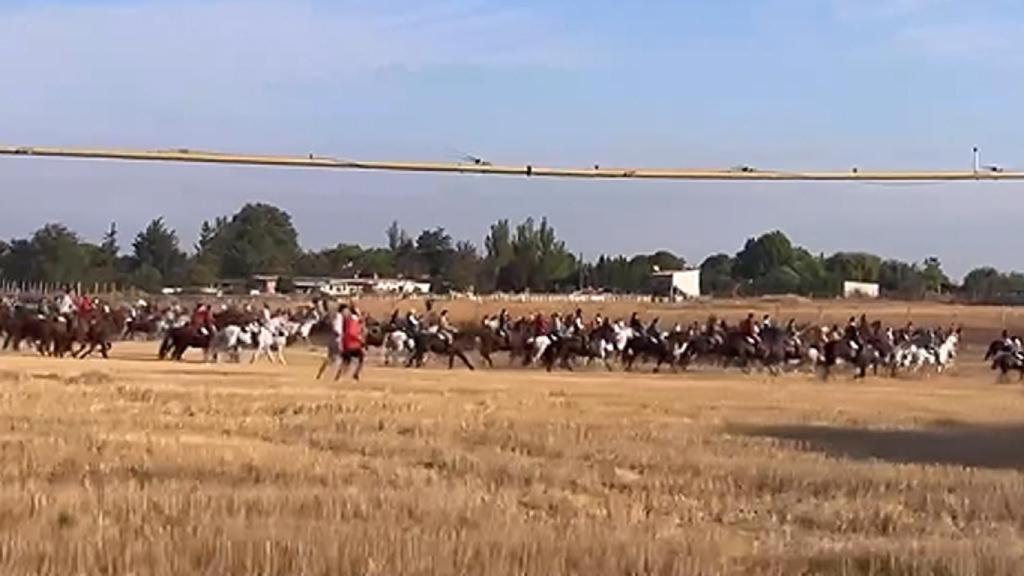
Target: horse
x,y
1006,361
516,341
96,333
776,348
435,343
227,341
593,345
740,348
643,345
860,355
270,341
178,340
700,346
147,326
24,325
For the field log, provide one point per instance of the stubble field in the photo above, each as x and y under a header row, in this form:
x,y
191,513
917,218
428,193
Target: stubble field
x,y
132,466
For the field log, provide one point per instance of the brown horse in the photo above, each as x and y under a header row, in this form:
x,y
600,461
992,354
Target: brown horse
x,y
516,342
178,340
435,344
96,333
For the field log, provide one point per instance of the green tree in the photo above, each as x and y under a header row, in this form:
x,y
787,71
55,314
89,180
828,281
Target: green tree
x,y
464,271
716,275
781,280
498,254
148,278
853,266
200,272
763,254
665,260
18,262
814,280
435,250
931,271
259,239
901,279
58,256
156,247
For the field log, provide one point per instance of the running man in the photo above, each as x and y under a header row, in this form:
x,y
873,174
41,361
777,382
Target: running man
x,y
334,345
352,342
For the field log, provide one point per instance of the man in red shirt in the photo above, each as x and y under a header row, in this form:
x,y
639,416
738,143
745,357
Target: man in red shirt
x,y
352,343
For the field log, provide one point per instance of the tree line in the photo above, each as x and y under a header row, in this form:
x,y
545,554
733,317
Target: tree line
x,y
525,256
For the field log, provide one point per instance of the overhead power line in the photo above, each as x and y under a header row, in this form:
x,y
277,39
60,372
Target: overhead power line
x,y
485,168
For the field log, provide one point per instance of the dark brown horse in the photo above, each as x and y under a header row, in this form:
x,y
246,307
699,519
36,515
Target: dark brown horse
x,y
516,341
178,340
436,344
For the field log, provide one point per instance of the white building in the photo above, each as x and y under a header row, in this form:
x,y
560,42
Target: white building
x,y
860,289
399,286
349,287
676,284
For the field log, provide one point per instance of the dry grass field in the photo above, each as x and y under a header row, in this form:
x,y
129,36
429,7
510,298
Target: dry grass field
x,y
131,466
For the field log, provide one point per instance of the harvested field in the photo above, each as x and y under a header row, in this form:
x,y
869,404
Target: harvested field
x,y
132,466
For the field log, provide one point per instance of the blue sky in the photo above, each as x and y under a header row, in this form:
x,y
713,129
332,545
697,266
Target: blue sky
x,y
798,84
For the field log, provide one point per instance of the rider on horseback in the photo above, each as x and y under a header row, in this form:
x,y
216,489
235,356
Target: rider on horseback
x,y
557,327
503,323
202,320
445,329
577,326
636,325
653,332
852,334
749,328
540,325
412,323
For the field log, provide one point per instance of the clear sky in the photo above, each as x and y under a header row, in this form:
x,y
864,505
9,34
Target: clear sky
x,y
786,84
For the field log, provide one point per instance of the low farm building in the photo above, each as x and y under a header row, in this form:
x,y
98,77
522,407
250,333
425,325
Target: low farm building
x,y
853,289
676,284
348,287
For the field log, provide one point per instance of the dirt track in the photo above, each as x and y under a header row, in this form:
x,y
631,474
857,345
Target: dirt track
x,y
136,466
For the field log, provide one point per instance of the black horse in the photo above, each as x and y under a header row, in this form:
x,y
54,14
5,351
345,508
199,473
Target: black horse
x,y
591,346
178,340
645,347
860,355
1007,361
436,344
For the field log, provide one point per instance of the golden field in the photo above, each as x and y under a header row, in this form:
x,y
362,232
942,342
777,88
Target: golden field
x,y
132,466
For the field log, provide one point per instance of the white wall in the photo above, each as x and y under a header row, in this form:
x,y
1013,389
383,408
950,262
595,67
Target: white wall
x,y
687,282
860,289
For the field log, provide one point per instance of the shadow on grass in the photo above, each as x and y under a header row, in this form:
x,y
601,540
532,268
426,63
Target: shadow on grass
x,y
977,446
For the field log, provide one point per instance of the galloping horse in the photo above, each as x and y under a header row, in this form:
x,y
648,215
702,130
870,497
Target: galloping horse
x,y
436,344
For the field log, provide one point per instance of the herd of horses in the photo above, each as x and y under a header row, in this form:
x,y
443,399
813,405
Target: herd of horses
x,y
775,349
868,348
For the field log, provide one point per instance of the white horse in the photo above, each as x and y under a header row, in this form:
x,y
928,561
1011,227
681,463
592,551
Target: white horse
x,y
226,341
270,341
397,343
946,354
540,345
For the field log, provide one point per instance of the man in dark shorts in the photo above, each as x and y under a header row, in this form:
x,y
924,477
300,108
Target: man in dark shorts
x,y
352,343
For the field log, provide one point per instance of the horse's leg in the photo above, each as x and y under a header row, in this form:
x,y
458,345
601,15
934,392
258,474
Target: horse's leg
x,y
85,351
323,367
465,359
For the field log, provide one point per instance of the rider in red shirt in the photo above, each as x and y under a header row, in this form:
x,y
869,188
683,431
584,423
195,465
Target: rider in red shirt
x,y
540,325
202,319
84,306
